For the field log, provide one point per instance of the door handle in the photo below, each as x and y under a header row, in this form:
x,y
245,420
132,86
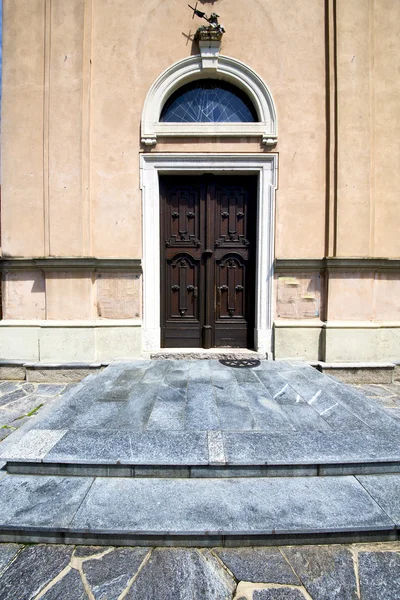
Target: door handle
x,y
192,288
220,289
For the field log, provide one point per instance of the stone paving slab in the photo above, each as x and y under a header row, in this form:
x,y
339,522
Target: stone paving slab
x,y
386,491
40,502
236,506
114,447
330,572
310,447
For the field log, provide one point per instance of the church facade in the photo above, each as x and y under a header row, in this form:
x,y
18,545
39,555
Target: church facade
x,y
225,176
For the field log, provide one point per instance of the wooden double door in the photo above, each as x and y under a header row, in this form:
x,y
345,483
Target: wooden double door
x,y
208,256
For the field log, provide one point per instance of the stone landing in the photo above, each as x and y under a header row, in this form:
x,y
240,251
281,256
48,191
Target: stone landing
x,y
198,453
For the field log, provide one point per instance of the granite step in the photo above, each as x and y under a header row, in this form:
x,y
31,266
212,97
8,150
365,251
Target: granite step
x,y
201,454
184,512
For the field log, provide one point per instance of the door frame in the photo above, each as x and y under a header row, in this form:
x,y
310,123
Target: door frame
x,y
153,165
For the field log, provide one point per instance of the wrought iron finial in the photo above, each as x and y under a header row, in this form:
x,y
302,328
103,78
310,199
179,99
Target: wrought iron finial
x,y
213,30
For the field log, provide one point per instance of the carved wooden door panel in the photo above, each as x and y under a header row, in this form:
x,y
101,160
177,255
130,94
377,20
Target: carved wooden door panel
x,y
208,226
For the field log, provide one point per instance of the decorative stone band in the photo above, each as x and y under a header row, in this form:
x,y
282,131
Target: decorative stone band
x,y
72,264
336,264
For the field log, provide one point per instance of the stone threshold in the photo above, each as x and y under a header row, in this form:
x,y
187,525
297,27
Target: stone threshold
x,y
205,354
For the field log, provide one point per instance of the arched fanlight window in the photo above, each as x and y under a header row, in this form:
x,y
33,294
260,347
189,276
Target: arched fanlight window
x,y
208,101
193,99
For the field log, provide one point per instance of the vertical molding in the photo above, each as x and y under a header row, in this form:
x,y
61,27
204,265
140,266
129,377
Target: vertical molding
x,y
372,126
86,126
331,128
46,126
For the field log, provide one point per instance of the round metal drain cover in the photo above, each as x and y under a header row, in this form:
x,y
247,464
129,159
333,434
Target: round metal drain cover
x,y
243,363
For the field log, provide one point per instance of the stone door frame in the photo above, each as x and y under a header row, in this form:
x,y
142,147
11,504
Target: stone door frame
x,y
151,166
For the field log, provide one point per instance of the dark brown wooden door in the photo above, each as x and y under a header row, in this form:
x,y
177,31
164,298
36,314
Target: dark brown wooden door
x,y
208,232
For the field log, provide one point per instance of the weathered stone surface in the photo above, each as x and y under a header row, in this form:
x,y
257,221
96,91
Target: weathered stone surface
x,y
39,501
229,506
19,408
32,570
70,587
49,389
385,489
12,396
327,572
35,444
15,372
109,576
310,447
54,375
278,594
169,409
379,574
92,447
259,565
88,551
201,410
7,553
179,574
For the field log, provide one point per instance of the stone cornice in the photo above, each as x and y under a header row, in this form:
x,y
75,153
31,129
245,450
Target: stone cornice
x,y
71,264
283,265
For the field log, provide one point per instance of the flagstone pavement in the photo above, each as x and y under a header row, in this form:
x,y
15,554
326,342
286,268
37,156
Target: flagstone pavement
x,y
325,572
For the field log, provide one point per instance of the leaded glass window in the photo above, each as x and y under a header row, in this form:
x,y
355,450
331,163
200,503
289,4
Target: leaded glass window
x,y
208,101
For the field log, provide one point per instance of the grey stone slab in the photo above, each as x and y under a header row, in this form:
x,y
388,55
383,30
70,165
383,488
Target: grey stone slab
x,y
86,552
309,447
70,587
279,594
34,445
169,448
379,574
9,397
303,417
122,387
327,572
32,570
233,410
245,376
330,391
233,416
216,453
180,574
91,446
49,389
135,413
177,376
169,409
199,371
222,507
268,415
9,386
385,489
156,371
21,408
109,575
201,408
7,553
258,565
279,388
39,501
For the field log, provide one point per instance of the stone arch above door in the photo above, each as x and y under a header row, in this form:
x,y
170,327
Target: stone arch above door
x,y
224,68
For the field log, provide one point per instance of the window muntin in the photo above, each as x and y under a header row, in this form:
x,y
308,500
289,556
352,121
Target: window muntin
x,y
208,101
